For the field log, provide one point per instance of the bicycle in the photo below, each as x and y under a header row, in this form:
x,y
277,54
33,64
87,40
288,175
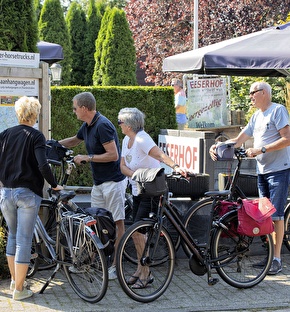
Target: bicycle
x,y
61,168
232,255
197,213
196,216
76,248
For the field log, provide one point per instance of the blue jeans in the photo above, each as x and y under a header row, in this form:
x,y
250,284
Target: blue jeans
x,y
274,185
20,208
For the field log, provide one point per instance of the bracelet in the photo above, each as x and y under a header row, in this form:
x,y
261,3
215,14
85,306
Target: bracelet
x,y
91,157
175,166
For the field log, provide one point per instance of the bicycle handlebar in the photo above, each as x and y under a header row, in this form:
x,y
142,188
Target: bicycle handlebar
x,y
240,153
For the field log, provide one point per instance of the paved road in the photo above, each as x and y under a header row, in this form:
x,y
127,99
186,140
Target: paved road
x,y
187,292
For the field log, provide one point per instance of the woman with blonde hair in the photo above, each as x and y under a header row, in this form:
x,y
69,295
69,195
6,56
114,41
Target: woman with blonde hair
x,y
23,169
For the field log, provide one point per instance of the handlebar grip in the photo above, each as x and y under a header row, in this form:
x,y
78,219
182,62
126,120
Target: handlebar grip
x,y
83,162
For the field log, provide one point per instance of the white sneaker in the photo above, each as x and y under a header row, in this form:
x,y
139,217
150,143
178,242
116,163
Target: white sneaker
x,y
112,272
12,285
20,295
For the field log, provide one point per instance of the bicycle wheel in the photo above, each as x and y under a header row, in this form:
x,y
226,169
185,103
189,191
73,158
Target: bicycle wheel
x,y
34,259
221,137
171,229
88,273
48,219
243,261
286,239
158,254
196,221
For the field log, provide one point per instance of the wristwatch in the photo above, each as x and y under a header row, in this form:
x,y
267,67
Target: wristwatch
x,y
91,156
263,150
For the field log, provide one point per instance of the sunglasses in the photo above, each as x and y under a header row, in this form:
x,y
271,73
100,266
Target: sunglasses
x,y
120,122
253,92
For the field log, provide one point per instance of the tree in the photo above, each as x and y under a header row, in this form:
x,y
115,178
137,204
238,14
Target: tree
x,y
52,28
163,27
77,28
118,58
18,26
37,8
94,18
97,76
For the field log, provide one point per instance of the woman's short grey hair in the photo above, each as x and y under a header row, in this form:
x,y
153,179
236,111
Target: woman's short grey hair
x,y
132,117
262,85
85,99
27,109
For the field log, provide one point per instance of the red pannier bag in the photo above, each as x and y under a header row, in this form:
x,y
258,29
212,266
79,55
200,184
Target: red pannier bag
x,y
224,207
254,217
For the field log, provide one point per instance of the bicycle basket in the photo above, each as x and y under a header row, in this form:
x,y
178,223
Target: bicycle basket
x,y
55,151
150,182
225,151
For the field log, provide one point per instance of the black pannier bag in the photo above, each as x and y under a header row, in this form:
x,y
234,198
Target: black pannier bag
x,y
105,227
55,151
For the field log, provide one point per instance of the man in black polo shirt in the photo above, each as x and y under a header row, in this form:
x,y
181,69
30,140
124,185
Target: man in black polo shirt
x,y
102,144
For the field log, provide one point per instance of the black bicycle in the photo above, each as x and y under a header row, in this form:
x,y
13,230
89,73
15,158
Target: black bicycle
x,y
195,218
232,255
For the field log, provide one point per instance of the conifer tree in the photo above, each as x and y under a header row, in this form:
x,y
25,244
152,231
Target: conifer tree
x,y
94,19
18,26
52,28
76,23
97,76
117,64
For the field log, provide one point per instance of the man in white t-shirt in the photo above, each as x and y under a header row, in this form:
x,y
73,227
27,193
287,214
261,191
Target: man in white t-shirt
x,y
269,126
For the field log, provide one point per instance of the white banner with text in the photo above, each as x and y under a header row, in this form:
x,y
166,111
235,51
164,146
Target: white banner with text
x,y
207,102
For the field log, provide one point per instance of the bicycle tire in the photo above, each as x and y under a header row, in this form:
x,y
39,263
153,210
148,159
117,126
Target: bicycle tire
x,y
176,240
286,239
243,261
34,259
161,265
44,260
221,137
197,224
166,223
88,276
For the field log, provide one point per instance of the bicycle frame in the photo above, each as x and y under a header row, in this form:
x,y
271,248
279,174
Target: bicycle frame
x,y
200,252
65,222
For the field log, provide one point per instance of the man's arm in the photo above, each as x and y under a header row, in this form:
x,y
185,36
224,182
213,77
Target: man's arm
x,y
70,142
283,142
111,154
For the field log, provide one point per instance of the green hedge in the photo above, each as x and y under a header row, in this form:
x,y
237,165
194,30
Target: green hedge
x,y
157,103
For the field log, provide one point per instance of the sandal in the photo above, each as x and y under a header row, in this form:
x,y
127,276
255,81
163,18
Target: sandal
x,y
141,284
132,280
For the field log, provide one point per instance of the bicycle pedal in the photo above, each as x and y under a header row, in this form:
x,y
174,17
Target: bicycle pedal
x,y
212,281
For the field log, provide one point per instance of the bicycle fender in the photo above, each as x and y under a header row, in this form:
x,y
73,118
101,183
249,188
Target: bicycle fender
x,y
96,238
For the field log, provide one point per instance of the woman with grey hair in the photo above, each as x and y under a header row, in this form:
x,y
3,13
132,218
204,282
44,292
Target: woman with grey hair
x,y
23,169
140,151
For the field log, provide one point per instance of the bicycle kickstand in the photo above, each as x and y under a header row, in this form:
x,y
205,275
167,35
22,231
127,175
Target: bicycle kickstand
x,y
210,280
50,279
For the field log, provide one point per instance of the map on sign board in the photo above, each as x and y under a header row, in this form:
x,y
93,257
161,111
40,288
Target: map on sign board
x,y
10,91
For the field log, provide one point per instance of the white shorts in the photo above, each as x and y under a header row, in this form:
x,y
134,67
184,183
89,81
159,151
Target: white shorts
x,y
111,196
